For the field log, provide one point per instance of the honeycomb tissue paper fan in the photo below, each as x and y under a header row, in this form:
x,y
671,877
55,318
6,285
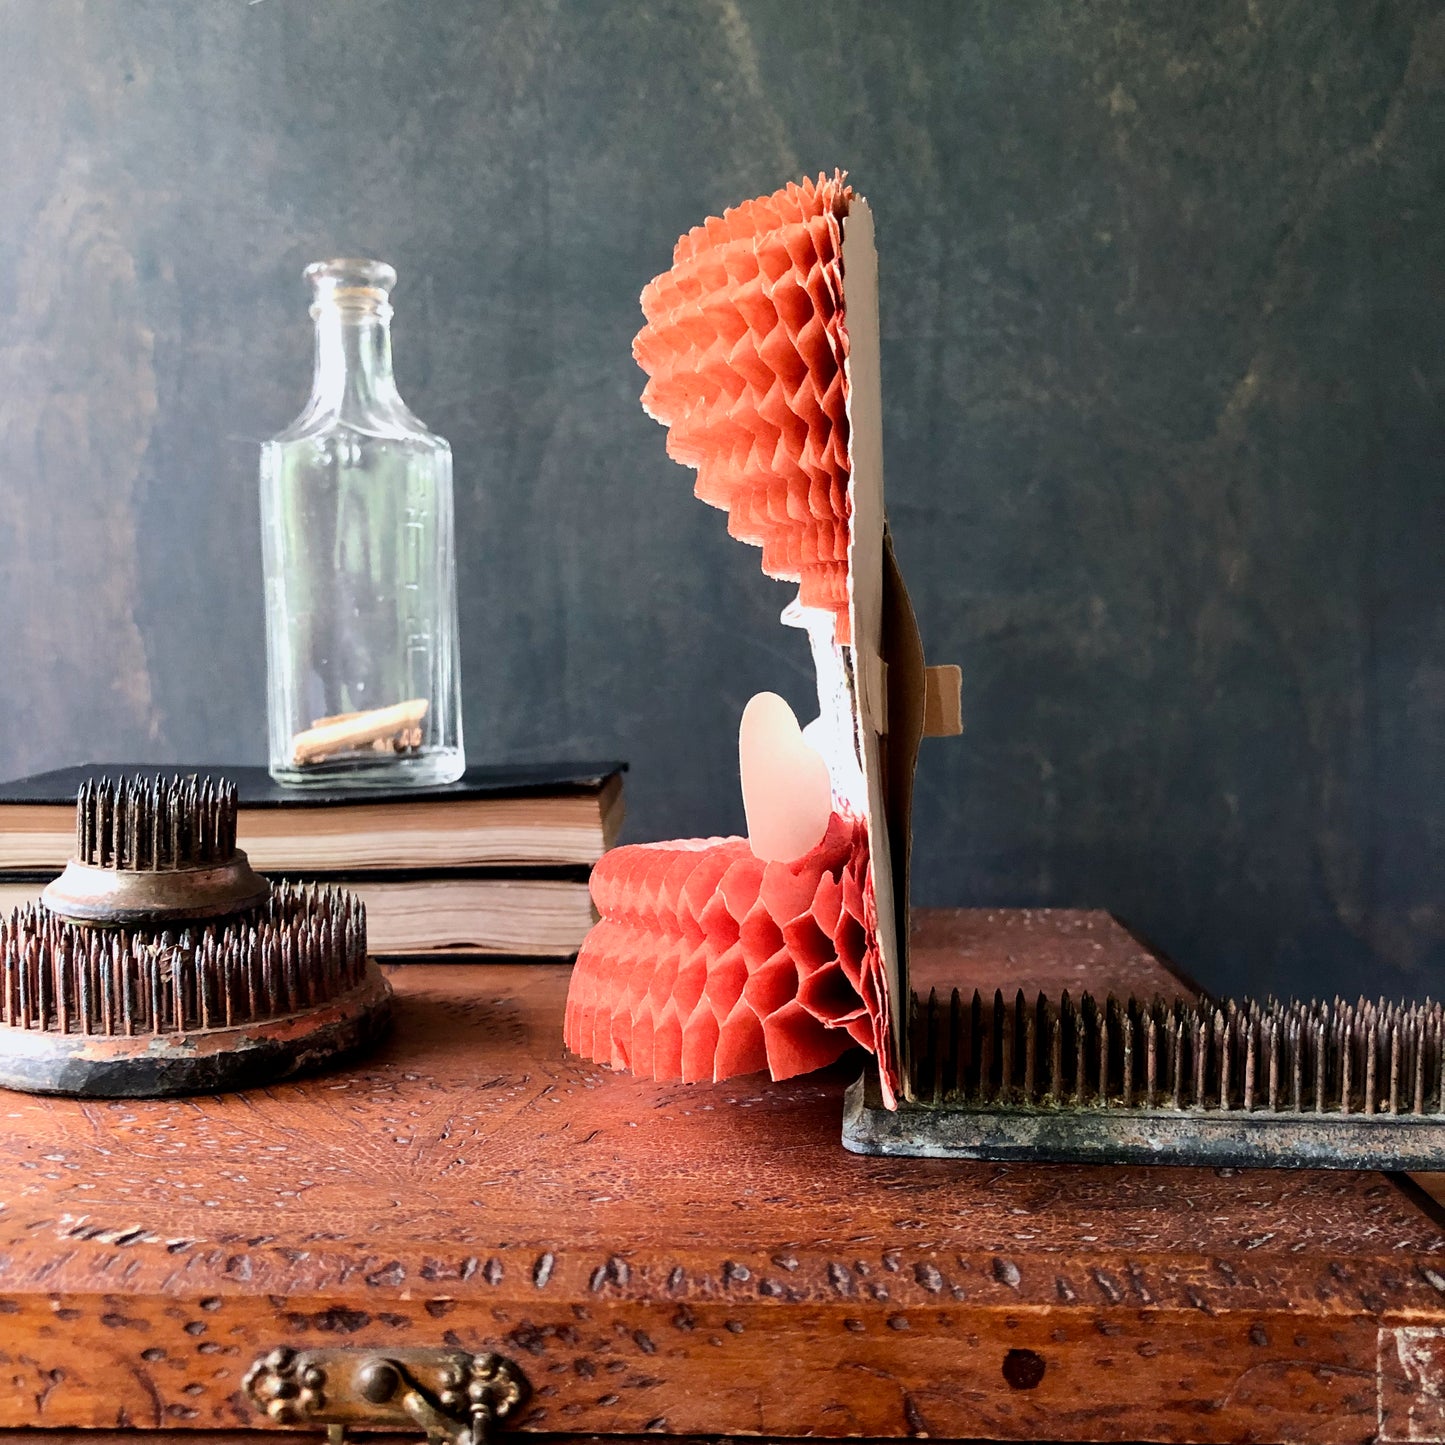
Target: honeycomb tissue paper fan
x,y
725,956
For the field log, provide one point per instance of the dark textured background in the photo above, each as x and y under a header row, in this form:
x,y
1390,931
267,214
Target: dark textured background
x,y
1163,313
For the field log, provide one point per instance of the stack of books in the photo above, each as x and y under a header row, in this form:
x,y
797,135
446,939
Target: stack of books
x,y
496,863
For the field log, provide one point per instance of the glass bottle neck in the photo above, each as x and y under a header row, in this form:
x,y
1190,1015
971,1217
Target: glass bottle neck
x,y
353,377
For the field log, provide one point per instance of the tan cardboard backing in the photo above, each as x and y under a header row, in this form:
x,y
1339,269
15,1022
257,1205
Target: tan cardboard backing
x,y
866,606
906,685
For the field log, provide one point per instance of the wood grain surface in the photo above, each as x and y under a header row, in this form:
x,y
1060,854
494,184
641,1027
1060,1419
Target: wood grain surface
x,y
688,1260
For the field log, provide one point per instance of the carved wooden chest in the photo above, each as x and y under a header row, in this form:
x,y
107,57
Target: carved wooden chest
x,y
472,1231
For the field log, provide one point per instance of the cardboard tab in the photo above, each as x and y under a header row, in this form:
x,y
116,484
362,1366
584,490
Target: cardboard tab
x,y
943,701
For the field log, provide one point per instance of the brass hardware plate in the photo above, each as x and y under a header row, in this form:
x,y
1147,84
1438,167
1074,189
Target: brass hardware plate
x,y
454,1397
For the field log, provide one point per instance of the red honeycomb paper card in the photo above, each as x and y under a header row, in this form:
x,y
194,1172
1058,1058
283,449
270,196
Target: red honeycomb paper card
x,y
761,350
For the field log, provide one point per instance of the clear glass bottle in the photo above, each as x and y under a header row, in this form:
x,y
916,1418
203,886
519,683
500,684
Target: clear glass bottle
x,y
363,683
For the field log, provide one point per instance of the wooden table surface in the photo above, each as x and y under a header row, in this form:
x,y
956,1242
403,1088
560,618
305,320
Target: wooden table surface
x,y
697,1260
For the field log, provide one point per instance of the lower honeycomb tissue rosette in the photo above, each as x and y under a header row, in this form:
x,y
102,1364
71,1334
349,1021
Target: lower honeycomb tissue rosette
x,y
708,963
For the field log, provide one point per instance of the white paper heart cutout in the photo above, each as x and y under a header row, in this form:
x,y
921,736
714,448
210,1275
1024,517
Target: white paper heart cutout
x,y
787,794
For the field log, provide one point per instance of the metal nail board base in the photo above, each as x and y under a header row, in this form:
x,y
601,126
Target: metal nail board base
x,y
1115,1135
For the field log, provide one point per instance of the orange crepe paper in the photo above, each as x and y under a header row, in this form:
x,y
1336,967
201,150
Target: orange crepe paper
x,y
708,963
744,348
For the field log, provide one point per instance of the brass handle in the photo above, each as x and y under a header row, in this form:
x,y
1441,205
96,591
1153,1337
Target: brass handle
x,y
454,1397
